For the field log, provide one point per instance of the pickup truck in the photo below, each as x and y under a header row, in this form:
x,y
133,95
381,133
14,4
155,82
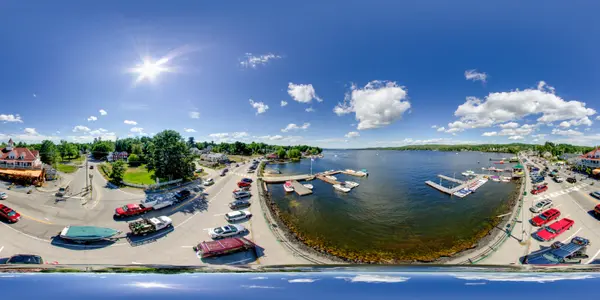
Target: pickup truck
x,y
132,210
146,226
560,253
223,247
555,229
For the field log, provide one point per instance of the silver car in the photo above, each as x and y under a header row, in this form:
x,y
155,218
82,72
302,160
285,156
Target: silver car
x,y
227,231
541,205
238,215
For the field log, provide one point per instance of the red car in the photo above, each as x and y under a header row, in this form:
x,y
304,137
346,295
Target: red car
x,y
539,189
545,217
9,214
131,210
242,184
223,247
554,230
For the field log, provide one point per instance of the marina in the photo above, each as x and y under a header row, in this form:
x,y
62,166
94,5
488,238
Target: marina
x,y
301,189
463,188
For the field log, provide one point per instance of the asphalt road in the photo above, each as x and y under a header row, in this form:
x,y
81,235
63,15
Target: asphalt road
x,y
573,201
44,217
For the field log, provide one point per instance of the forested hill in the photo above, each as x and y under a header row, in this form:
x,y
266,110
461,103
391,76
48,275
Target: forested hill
x,y
555,149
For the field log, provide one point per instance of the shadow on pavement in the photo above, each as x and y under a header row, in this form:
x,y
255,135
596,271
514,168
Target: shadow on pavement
x,y
59,242
238,258
592,214
135,240
3,260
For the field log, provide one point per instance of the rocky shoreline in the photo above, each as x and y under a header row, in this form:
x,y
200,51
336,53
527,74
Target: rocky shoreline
x,y
315,248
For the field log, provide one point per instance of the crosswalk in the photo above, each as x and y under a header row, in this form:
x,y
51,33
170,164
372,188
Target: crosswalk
x,y
560,193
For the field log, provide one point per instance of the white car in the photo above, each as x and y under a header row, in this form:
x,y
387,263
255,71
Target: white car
x,y
208,182
227,231
3,196
541,205
238,215
559,179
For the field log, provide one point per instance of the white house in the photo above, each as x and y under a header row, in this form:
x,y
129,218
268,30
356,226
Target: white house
x,y
590,159
214,157
19,158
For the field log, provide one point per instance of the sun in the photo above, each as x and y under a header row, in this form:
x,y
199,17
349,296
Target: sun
x,y
150,70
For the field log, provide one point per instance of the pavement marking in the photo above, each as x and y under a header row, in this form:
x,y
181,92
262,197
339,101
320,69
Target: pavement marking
x,y
136,263
593,257
25,234
1,248
239,261
187,246
50,206
572,235
219,215
37,220
208,228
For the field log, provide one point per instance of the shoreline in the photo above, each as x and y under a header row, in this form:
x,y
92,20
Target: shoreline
x,y
483,239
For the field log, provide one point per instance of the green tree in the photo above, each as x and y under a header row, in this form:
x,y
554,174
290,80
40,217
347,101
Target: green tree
x,y
134,160
171,157
281,153
48,152
294,153
100,149
137,148
190,142
118,171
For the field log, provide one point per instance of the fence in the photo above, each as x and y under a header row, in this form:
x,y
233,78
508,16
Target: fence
x,y
152,191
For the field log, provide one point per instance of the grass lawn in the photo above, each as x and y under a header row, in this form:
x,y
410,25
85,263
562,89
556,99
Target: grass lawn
x,y
241,158
66,168
139,175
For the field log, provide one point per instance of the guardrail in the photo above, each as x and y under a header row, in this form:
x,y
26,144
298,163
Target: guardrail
x,y
507,233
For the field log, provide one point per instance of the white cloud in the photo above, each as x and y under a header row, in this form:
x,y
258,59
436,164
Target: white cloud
x,y
194,114
229,137
302,280
283,103
271,137
303,93
259,106
189,130
374,278
376,105
241,134
475,76
282,139
352,134
508,106
441,129
259,278
10,118
491,133
80,128
509,125
99,131
30,131
294,127
526,129
576,122
525,277
258,287
137,129
310,109
542,86
566,132
587,129
433,126
564,124
219,135
153,285
540,135
102,112
253,61
516,137
92,118
598,118
130,122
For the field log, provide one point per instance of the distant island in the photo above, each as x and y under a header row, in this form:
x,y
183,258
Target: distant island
x,y
554,149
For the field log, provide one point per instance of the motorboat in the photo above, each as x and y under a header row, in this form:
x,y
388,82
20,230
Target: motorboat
x,y
331,177
468,173
351,184
308,186
341,188
287,186
84,234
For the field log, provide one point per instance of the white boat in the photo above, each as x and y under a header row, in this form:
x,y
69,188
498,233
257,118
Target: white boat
x,y
468,173
341,188
308,186
331,177
287,186
351,184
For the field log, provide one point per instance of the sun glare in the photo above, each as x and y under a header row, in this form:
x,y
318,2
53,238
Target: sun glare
x,y
150,70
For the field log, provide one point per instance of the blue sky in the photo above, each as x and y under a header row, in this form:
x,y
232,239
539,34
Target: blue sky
x,y
376,73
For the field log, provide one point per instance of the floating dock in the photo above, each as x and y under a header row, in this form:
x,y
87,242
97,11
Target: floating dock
x,y
463,189
451,179
282,179
300,189
322,177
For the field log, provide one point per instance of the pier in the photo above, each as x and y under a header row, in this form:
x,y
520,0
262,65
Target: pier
x,y
282,179
469,186
322,177
451,179
300,189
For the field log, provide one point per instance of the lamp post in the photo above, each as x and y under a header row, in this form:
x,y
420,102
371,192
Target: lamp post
x,y
91,176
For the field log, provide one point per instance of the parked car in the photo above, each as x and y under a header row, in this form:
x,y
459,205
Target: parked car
x,y
242,184
227,231
241,203
247,180
246,189
571,180
223,247
250,171
25,259
131,210
545,217
225,170
595,194
555,229
183,194
91,167
559,179
199,170
9,214
559,253
541,205
209,182
238,215
3,196
241,194
539,189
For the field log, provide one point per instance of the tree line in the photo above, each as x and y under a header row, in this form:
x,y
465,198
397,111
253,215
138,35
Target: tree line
x,y
554,149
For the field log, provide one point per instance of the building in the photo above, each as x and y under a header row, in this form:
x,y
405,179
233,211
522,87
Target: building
x,y
590,160
114,156
19,158
196,151
215,157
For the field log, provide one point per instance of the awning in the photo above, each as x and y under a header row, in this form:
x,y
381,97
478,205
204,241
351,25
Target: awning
x,y
596,171
519,166
24,173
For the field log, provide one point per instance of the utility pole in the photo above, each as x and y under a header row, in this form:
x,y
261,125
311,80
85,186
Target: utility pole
x,y
87,187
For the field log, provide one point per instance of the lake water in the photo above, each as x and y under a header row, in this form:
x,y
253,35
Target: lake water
x,y
393,214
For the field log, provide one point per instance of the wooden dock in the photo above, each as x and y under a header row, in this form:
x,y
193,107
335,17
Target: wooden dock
x,y
282,179
451,179
322,177
442,188
300,189
353,173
